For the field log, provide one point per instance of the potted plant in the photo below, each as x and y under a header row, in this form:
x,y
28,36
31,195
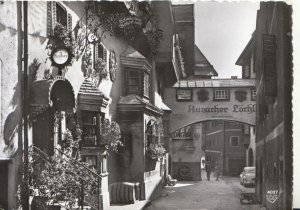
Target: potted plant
x,y
59,179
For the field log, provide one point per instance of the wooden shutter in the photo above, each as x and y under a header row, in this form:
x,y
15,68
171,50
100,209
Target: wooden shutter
x,y
269,65
49,18
54,17
69,22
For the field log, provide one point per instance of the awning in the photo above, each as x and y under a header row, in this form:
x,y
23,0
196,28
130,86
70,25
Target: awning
x,y
57,93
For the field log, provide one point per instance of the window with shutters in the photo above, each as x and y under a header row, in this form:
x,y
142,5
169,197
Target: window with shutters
x,y
100,52
57,13
61,15
221,94
269,65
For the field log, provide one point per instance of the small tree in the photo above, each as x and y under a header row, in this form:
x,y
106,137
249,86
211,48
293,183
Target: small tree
x,y
111,135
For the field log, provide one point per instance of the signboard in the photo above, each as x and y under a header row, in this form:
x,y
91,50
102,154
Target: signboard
x,y
188,112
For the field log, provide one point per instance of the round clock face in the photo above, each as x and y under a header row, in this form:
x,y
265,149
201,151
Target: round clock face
x,y
60,56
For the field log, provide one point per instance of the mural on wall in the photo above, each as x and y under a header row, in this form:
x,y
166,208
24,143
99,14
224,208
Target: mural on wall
x,y
112,66
240,95
203,95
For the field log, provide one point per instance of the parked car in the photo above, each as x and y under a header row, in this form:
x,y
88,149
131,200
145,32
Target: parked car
x,y
247,177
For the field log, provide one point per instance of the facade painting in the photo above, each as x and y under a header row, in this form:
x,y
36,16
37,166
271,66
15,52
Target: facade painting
x,y
189,109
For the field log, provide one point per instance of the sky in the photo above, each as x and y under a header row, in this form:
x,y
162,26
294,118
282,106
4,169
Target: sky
x,y
222,31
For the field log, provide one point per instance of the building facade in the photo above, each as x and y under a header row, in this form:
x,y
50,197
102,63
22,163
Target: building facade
x,y
115,74
246,61
271,58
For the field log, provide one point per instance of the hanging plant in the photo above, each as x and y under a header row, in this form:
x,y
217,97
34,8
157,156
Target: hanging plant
x,y
129,26
240,95
87,62
203,95
154,38
99,72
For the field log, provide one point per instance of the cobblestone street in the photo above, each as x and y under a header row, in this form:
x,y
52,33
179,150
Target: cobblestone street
x,y
203,195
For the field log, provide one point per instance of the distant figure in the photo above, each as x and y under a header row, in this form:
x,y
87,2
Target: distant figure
x,y
217,171
208,170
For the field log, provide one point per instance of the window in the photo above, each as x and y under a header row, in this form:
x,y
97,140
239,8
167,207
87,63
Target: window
x,y
57,13
246,129
133,81
221,94
100,52
146,85
137,82
61,15
246,71
234,141
253,94
184,95
89,125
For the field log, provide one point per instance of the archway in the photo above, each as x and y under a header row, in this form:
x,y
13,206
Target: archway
x,y
221,142
50,103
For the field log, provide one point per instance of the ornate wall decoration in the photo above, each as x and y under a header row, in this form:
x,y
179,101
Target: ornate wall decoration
x,y
112,66
203,95
240,95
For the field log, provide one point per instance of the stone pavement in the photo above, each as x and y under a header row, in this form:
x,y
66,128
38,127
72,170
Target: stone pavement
x,y
203,195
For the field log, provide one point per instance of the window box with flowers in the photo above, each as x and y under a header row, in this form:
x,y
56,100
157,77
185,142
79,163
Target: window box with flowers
x,y
155,151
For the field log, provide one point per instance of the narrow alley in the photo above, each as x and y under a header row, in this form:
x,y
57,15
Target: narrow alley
x,y
192,195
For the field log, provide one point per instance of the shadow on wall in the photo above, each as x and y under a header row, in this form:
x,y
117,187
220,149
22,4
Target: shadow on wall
x,y
12,120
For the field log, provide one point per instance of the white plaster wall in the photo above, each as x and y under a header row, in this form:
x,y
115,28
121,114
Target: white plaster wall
x,y
10,110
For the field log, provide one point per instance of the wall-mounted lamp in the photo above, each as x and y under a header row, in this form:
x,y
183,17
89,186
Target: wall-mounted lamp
x,y
92,38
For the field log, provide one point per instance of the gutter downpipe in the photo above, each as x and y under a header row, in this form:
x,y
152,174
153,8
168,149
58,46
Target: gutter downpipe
x,y
25,106
20,117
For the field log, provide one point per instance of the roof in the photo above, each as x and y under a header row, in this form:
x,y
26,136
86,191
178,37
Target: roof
x,y
215,83
245,55
89,89
202,65
137,100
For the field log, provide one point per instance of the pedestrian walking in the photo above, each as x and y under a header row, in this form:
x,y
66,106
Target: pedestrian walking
x,y
217,171
208,170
